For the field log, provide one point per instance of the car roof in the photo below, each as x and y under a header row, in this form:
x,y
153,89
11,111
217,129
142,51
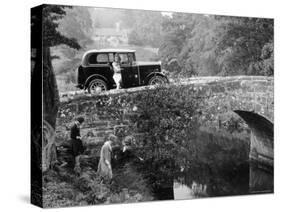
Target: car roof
x,y
104,51
110,51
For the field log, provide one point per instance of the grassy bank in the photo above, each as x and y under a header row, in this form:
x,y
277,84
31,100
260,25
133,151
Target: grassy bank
x,y
65,188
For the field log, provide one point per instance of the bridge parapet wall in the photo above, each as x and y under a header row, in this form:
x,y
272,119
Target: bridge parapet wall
x,y
246,93
110,112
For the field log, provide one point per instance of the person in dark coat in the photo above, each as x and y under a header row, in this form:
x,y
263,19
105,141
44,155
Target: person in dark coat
x,y
127,154
76,142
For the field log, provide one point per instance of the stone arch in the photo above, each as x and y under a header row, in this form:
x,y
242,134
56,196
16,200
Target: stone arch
x,y
261,149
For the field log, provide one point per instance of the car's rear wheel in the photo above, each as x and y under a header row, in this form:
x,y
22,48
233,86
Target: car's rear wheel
x,y
97,86
157,80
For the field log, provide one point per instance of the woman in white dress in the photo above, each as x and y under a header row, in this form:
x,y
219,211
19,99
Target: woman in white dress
x,y
117,70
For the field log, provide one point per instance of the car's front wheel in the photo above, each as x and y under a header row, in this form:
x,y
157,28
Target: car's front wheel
x,y
157,80
97,86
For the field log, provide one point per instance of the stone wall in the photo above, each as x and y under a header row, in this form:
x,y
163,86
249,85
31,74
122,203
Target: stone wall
x,y
226,94
112,111
103,114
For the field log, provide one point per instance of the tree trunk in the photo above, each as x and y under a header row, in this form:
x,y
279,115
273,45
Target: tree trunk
x,y
50,90
50,109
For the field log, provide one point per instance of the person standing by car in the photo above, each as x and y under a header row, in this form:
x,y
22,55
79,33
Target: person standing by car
x,y
76,143
117,70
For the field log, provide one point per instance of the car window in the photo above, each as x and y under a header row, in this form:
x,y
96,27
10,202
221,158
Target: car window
x,y
131,58
124,59
102,58
92,59
98,59
111,57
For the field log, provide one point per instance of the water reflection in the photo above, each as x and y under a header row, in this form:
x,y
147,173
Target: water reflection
x,y
219,167
261,178
182,191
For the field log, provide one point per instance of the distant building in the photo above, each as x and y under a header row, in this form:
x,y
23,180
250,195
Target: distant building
x,y
114,37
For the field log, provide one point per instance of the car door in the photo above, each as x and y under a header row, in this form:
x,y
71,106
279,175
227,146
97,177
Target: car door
x,y
98,63
129,71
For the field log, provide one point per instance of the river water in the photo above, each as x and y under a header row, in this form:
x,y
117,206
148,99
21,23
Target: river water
x,y
220,168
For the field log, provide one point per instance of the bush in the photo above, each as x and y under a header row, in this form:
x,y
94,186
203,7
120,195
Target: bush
x,y
168,116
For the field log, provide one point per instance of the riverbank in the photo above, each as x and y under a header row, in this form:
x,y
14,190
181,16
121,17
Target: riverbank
x,y
64,188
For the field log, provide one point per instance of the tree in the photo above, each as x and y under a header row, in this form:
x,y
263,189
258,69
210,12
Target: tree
x,y
106,17
52,37
145,27
242,43
198,56
177,30
265,66
45,23
218,45
77,23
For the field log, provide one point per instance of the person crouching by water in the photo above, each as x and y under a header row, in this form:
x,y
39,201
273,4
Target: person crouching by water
x,y
117,70
127,151
76,143
104,167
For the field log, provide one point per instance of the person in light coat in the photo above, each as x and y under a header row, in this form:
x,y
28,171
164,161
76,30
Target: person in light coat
x,y
104,167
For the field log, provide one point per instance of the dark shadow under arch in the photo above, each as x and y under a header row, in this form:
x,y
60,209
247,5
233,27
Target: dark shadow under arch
x,y
261,136
257,122
261,155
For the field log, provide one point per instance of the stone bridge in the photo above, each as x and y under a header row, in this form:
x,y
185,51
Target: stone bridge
x,y
246,93
251,97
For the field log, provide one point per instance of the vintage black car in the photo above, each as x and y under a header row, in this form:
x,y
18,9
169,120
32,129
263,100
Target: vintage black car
x,y
96,72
